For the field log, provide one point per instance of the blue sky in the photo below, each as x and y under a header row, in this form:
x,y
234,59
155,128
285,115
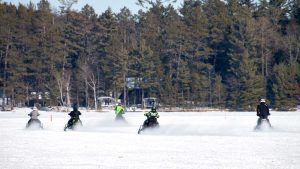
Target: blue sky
x,y
99,5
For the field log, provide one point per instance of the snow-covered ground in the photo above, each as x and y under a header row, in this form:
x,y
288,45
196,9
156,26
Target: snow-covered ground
x,y
204,140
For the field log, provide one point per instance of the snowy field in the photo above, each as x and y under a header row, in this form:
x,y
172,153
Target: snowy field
x,y
204,140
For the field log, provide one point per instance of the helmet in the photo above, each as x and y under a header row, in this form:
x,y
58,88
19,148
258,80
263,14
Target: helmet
x,y
75,106
119,101
262,100
34,108
153,109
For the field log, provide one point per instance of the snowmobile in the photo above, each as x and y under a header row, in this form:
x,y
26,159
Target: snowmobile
x,y
263,125
34,124
119,116
72,124
148,124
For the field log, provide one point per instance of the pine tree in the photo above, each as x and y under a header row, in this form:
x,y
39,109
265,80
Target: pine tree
x,y
147,69
242,82
197,50
218,23
295,10
285,85
173,54
108,25
127,36
88,58
251,85
149,29
8,48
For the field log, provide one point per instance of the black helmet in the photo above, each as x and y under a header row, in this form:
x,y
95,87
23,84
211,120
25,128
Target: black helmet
x,y
153,108
75,106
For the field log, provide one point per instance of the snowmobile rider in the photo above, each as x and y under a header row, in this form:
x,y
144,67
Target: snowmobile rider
x,y
119,110
151,117
34,116
74,115
262,111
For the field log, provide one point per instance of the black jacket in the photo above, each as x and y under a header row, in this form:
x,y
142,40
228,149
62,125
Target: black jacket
x,y
262,110
75,114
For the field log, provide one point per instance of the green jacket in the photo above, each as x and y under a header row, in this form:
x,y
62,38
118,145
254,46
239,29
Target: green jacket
x,y
119,110
152,114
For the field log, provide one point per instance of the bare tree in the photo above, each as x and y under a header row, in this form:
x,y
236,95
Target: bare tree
x,y
63,82
84,75
59,81
67,79
7,47
266,40
143,3
291,42
92,82
67,4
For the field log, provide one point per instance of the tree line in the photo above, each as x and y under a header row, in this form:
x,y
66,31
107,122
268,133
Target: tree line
x,y
207,53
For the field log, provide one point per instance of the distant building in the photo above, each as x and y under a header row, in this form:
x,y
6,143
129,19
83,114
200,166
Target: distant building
x,y
6,105
106,102
135,93
150,102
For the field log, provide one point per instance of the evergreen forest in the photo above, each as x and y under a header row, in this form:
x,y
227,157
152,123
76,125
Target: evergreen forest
x,y
205,53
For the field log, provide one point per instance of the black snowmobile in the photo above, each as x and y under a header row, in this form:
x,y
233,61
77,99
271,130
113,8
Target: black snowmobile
x,y
263,124
34,124
72,124
150,123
